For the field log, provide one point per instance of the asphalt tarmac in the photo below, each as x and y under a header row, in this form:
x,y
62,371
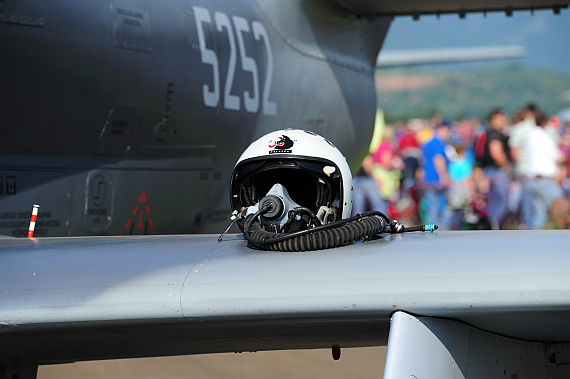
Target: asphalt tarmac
x,y
293,364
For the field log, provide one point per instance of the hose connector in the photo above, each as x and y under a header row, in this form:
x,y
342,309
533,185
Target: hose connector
x,y
396,227
430,227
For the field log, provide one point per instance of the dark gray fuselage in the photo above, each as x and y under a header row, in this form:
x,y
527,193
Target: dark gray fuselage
x,y
126,117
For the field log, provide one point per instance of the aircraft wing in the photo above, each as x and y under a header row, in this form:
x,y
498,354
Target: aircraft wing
x,y
419,7
390,58
91,298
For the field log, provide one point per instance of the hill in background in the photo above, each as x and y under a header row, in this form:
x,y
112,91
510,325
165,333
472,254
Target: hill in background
x,y
421,93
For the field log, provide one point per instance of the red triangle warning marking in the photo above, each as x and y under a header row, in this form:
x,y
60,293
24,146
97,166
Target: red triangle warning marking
x,y
143,225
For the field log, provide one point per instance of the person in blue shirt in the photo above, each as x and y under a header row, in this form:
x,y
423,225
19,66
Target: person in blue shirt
x,y
461,187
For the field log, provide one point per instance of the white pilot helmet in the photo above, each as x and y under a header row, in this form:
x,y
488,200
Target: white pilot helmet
x,y
311,169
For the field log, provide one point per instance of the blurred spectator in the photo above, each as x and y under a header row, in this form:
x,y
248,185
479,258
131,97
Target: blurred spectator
x,y
496,163
460,189
384,152
553,129
366,191
476,216
560,212
540,187
410,152
386,168
436,177
517,142
519,135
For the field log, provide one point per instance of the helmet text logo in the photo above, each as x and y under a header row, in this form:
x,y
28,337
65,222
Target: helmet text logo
x,y
282,145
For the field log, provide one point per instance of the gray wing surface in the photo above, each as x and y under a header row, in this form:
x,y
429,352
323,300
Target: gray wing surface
x,y
88,298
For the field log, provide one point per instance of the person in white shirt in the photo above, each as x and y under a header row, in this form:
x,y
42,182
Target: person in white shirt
x,y
540,189
519,136
517,139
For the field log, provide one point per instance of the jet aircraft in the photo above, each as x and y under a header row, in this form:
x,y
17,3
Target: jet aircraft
x,y
152,103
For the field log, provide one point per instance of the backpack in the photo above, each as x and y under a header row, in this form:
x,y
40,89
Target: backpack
x,y
480,147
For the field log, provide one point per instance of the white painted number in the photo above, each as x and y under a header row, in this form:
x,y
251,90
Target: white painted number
x,y
248,64
230,101
211,98
269,107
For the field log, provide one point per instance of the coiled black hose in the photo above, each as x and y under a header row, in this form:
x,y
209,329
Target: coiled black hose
x,y
322,237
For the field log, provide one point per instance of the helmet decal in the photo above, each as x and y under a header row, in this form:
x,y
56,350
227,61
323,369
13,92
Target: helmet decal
x,y
282,145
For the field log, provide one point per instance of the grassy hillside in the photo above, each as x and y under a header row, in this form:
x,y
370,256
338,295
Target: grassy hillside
x,y
410,93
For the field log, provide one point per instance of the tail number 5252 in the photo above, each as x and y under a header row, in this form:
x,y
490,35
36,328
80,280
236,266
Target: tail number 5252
x,y
232,102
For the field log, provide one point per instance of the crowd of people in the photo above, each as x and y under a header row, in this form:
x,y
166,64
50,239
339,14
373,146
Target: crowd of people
x,y
506,173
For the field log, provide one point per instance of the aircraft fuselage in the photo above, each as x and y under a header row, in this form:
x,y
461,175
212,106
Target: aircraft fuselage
x,y
126,117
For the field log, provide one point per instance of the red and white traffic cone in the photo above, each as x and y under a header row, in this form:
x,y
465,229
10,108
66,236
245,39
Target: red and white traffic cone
x,y
33,221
